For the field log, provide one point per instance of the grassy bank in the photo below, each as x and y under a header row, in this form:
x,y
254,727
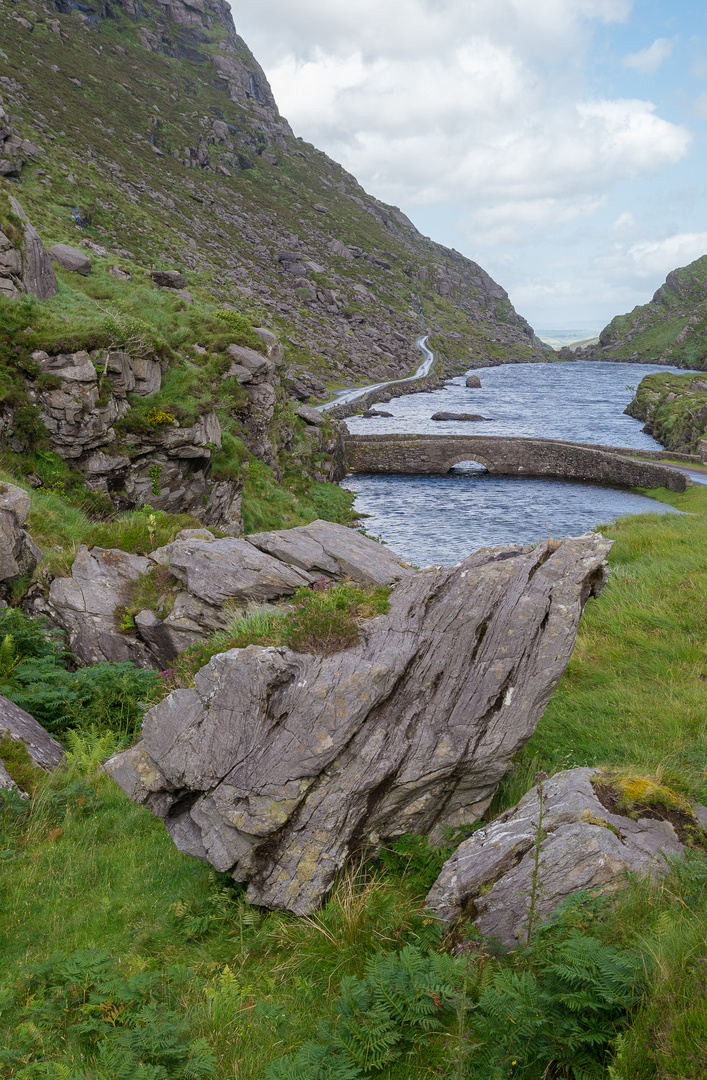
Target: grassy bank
x,y
151,966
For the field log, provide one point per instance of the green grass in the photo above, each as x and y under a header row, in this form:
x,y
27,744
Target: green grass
x,y
87,869
323,620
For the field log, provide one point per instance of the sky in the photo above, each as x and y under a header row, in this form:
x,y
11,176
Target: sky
x,y
561,144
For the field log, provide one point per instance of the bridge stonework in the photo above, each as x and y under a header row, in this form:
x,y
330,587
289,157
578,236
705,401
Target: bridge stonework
x,y
425,455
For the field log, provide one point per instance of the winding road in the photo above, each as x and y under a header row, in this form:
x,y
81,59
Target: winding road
x,y
343,397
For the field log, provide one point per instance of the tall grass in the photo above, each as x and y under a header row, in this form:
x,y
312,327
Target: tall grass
x,y
93,871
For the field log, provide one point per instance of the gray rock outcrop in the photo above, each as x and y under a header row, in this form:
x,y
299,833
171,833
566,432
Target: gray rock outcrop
x,y
323,549
19,555
70,258
25,266
278,765
218,571
473,382
45,751
84,605
584,847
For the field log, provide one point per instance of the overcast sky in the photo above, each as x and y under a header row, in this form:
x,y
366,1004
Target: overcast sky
x,y
559,143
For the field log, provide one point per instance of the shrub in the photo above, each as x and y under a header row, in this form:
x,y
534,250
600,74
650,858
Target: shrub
x,y
34,674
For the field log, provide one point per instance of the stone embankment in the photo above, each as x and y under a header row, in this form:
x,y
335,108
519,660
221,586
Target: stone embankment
x,y
429,455
278,765
674,408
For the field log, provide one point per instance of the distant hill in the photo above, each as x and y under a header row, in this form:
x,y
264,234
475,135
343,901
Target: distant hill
x,y
670,329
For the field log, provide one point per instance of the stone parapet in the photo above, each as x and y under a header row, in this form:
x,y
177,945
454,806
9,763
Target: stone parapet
x,y
434,455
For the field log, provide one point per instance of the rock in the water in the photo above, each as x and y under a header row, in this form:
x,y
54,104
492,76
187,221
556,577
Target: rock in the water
x,y
84,605
18,724
228,569
371,414
278,765
19,555
473,381
584,847
463,416
71,259
169,279
334,551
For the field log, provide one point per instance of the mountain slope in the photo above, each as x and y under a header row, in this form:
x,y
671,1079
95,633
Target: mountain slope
x,y
158,136
670,329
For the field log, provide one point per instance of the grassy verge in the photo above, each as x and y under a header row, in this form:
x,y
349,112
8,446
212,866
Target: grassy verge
x,y
237,990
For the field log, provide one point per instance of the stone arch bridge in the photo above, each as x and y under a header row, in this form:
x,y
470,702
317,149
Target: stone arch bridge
x,y
425,455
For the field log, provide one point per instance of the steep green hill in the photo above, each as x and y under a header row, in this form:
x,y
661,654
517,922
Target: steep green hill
x,y
154,133
670,329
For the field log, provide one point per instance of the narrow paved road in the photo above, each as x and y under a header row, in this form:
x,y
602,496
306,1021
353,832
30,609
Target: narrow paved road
x,y
343,397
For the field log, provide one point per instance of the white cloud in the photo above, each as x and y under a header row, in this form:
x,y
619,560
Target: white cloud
x,y
473,115
658,257
647,61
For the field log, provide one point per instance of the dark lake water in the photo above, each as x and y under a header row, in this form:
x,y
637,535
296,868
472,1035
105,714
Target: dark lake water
x,y
441,519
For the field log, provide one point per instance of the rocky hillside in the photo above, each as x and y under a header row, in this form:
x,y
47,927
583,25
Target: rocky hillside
x,y
675,410
210,274
670,329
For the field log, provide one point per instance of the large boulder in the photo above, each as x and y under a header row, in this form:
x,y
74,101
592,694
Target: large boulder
x,y
84,605
70,258
333,551
277,765
489,877
218,571
19,555
45,751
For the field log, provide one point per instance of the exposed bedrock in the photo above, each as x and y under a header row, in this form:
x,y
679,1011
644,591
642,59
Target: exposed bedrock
x,y
278,765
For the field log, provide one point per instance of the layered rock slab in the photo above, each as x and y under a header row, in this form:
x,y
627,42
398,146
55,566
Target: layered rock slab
x,y
278,765
584,847
333,551
84,605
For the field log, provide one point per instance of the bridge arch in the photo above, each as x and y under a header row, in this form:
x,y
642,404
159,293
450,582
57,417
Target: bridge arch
x,y
432,454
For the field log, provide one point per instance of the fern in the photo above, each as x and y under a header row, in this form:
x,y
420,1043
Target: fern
x,y
560,1020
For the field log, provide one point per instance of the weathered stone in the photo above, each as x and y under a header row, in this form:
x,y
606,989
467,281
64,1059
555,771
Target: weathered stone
x,y
310,416
465,417
260,368
71,259
584,847
84,605
37,277
473,381
276,352
18,724
427,455
228,569
278,765
191,620
157,638
169,279
334,551
224,506
19,555
293,263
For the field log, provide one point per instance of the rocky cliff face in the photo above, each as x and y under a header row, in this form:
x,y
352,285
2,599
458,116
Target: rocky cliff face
x,y
669,329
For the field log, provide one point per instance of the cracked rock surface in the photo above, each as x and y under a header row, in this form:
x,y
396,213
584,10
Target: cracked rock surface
x,y
489,876
277,764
